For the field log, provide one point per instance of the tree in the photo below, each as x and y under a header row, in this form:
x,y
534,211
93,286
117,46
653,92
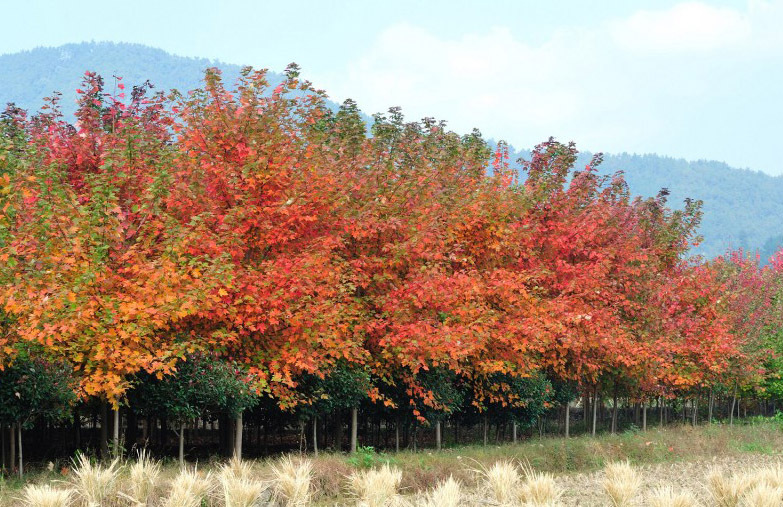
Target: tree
x,y
201,386
33,387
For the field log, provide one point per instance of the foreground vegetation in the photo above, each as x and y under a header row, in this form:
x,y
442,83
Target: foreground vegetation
x,y
707,465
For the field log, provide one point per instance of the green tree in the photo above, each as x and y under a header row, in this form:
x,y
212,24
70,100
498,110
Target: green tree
x,y
34,387
201,386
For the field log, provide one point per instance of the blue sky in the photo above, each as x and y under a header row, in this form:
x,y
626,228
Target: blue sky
x,y
685,79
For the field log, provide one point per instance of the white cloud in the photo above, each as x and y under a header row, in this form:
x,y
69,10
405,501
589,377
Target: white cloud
x,y
691,26
645,83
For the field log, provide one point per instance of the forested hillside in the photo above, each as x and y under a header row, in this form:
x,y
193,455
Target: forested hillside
x,y
29,76
742,208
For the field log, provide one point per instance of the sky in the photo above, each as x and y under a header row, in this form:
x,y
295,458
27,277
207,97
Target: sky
x,y
690,79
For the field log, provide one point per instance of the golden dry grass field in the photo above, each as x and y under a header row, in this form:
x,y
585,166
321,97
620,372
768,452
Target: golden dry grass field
x,y
715,465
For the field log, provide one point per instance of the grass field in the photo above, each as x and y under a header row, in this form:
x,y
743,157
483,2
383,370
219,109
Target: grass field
x,y
707,465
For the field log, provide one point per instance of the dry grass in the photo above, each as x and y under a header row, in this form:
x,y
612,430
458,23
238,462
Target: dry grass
x,y
772,475
673,457
188,489
446,494
237,469
622,483
46,496
292,481
238,486
539,489
667,496
241,492
143,477
377,487
726,489
762,494
328,476
96,484
501,481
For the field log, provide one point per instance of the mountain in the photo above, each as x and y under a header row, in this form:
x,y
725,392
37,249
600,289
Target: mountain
x,y
29,76
742,208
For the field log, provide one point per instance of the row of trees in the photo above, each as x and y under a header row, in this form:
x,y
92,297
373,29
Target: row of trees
x,y
198,254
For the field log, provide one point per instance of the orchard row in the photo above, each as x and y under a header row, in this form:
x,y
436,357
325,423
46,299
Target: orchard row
x,y
221,249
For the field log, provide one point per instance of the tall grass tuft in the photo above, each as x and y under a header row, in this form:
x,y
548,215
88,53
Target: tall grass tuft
x,y
447,493
726,491
762,494
143,476
772,475
666,496
237,468
241,492
95,483
502,481
188,489
621,483
292,481
539,488
46,496
238,486
377,487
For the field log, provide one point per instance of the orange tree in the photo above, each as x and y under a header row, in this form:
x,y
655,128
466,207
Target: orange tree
x,y
92,263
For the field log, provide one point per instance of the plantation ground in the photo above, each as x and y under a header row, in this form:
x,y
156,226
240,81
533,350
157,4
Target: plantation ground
x,y
586,488
677,456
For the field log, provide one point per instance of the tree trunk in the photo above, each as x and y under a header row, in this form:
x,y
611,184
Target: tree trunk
x,y
733,403
586,411
614,412
354,428
104,429
644,416
115,438
710,406
397,434
437,436
567,419
514,431
12,444
182,445
2,446
238,437
694,415
662,409
21,462
595,413
315,435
